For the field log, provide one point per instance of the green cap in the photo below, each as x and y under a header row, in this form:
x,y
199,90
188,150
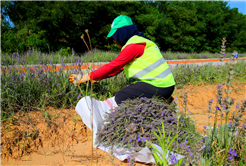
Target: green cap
x,y
119,22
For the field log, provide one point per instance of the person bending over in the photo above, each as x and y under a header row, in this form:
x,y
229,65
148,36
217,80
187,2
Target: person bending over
x,y
140,58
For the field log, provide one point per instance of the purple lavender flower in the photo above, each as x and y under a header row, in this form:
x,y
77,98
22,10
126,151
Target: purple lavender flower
x,y
143,139
129,157
217,108
230,158
232,152
138,138
173,159
79,96
62,63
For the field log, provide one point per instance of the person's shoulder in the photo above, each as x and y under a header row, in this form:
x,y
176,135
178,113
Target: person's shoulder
x,y
134,45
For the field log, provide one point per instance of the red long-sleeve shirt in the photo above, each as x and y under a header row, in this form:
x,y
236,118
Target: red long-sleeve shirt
x,y
128,54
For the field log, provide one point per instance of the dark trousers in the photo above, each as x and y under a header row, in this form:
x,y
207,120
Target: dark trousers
x,y
142,89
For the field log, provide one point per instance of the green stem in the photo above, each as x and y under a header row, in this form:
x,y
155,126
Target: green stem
x,y
178,135
213,132
221,131
226,137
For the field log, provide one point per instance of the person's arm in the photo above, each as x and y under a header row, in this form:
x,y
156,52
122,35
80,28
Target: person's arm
x,y
128,54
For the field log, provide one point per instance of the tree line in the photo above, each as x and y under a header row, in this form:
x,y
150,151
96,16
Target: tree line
x,y
180,26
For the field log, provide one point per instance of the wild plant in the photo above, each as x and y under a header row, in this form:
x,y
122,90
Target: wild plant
x,y
223,49
209,111
166,144
178,117
87,84
222,141
185,102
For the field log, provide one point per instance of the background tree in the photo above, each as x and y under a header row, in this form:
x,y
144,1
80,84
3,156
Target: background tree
x,y
177,26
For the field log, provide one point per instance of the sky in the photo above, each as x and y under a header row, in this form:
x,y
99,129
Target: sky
x,y
240,4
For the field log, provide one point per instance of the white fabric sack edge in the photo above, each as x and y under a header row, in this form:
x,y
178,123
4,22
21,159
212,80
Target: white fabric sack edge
x,y
100,108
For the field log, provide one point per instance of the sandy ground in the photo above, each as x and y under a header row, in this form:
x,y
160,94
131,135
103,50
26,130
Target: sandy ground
x,y
59,137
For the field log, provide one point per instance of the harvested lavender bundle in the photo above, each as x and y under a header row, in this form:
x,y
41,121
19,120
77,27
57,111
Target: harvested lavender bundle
x,y
133,121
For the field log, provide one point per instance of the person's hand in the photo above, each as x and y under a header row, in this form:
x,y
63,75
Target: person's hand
x,y
79,78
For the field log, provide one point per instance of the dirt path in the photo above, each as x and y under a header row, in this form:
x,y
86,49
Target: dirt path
x,y
59,137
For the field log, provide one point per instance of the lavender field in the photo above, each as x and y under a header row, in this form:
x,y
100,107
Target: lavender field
x,y
32,91
33,57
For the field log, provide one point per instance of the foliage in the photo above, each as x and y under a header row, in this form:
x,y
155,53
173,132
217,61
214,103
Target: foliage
x,y
166,146
65,51
187,26
22,40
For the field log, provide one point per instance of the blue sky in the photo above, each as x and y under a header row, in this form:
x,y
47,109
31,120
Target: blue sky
x,y
241,5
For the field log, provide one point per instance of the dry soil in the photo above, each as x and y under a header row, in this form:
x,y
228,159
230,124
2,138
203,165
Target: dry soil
x,y
59,137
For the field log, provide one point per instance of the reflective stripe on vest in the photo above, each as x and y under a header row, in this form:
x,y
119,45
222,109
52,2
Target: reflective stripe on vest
x,y
152,67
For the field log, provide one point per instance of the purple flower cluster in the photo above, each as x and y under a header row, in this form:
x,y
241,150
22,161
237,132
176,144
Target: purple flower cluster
x,y
232,153
134,121
173,159
26,89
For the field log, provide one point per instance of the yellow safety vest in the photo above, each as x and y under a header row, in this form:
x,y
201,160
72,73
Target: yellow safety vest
x,y
151,67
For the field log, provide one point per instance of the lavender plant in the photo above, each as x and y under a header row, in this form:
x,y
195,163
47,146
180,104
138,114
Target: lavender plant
x,y
135,120
194,74
36,88
223,141
223,49
31,57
